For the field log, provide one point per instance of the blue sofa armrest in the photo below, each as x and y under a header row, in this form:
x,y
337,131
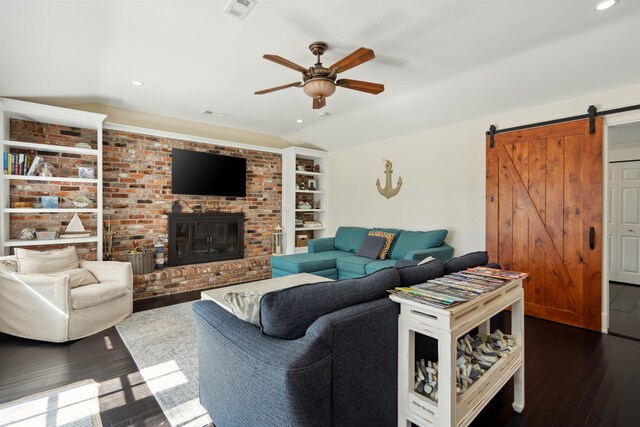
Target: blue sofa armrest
x,y
321,245
444,252
284,382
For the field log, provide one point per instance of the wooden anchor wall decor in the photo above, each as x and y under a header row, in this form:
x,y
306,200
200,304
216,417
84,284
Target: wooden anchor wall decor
x,y
388,191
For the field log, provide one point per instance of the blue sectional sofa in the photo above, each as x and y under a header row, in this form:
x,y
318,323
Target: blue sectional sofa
x,y
324,354
335,257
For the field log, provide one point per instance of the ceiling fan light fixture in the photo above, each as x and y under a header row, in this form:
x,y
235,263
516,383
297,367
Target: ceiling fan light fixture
x,y
319,87
319,82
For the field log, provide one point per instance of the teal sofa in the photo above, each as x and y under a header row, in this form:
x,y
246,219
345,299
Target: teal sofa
x,y
335,257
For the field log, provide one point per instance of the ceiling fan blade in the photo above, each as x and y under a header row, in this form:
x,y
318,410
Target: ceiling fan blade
x,y
358,57
273,89
319,103
280,60
368,87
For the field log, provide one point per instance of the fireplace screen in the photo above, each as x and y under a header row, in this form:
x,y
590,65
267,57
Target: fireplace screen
x,y
197,238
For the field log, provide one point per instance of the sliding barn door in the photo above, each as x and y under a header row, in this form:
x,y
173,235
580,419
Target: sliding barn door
x,y
544,217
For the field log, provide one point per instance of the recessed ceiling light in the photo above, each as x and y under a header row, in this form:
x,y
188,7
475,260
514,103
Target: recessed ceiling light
x,y
300,121
604,5
137,83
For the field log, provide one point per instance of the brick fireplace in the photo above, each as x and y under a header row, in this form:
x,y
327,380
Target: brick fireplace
x,y
137,200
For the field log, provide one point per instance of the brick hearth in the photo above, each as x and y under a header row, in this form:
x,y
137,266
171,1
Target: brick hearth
x,y
200,276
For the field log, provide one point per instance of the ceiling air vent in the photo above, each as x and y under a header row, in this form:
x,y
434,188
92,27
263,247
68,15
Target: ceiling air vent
x,y
239,8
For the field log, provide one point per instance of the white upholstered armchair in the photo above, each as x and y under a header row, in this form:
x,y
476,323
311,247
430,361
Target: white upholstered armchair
x,y
53,307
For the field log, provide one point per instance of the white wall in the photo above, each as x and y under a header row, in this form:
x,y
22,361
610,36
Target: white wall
x,y
443,172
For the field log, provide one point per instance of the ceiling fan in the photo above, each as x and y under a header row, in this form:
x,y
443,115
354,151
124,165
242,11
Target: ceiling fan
x,y
319,82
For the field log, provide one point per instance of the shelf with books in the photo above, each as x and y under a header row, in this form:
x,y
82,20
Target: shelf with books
x,y
69,144
37,163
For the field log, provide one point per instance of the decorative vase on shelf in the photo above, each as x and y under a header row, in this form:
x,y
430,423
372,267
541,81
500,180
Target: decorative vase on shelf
x,y
46,169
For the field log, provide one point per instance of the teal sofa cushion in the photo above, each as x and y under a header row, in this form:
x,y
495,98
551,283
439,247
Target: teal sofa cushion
x,y
349,239
356,266
330,273
353,264
374,266
416,240
307,263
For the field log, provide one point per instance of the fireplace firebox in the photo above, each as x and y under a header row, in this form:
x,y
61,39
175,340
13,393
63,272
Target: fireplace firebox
x,y
205,237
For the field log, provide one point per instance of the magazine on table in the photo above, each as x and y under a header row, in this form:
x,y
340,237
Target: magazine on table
x,y
479,279
500,274
451,291
421,299
471,287
447,299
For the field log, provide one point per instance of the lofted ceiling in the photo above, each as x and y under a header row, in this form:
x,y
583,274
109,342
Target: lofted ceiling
x,y
441,61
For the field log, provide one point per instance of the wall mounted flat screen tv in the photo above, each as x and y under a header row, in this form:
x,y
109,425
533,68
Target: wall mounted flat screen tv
x,y
206,174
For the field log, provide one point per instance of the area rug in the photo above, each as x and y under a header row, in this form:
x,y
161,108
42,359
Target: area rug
x,y
74,405
163,344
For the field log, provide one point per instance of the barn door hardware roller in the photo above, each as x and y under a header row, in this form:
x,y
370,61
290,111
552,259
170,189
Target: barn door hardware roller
x,y
592,118
492,133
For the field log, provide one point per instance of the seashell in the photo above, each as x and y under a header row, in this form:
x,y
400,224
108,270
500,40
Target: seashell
x,y
80,201
28,234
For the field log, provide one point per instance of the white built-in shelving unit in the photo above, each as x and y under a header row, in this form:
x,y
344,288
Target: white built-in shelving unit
x,y
14,109
291,196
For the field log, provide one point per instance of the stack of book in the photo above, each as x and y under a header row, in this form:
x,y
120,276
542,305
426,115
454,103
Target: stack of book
x,y
456,288
20,163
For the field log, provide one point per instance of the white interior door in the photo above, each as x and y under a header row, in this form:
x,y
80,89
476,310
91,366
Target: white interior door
x,y
624,222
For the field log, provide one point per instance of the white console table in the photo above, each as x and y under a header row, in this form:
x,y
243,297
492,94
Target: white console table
x,y
447,325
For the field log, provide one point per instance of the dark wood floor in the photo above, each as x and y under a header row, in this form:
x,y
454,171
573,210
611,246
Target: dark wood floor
x,y
624,309
573,377
28,367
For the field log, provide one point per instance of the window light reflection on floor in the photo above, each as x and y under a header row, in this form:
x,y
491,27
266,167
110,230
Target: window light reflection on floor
x,y
107,343
163,376
76,404
190,413
68,406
